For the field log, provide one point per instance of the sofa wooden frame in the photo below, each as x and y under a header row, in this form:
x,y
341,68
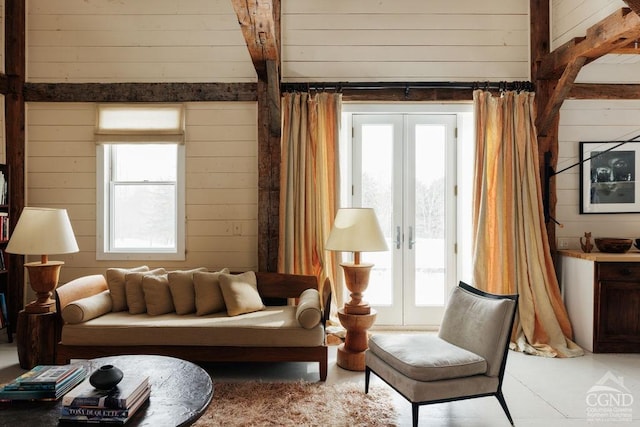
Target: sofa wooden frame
x,y
274,288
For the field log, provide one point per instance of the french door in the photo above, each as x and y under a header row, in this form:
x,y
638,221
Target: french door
x,y
403,165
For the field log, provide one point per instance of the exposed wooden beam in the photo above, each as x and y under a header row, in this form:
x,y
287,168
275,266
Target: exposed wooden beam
x,y
539,24
4,84
633,48
260,24
553,104
617,30
634,5
138,92
273,97
15,67
604,91
257,21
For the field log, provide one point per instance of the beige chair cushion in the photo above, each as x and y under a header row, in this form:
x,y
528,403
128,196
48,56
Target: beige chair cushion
x,y
87,308
134,291
157,295
115,282
182,291
208,295
240,293
425,357
468,313
308,311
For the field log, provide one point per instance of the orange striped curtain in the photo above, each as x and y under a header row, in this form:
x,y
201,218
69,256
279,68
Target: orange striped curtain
x,y
309,185
511,247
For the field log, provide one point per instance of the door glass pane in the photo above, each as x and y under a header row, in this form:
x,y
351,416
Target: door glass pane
x,y
430,202
377,193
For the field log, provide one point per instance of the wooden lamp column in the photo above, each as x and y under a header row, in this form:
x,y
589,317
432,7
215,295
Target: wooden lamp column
x,y
356,230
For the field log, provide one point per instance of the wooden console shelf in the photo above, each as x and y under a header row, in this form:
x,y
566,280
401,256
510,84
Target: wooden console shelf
x,y
602,295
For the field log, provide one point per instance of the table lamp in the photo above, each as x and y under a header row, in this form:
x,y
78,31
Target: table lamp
x,y
42,231
356,230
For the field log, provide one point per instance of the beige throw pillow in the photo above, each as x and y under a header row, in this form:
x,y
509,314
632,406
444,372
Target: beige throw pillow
x,y
87,308
115,282
182,291
208,295
308,311
134,291
157,295
240,293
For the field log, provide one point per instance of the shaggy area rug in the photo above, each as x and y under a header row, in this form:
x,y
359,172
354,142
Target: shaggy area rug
x,y
298,404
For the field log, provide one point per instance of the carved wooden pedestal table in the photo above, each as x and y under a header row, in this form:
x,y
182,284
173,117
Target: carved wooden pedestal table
x,y
351,353
180,394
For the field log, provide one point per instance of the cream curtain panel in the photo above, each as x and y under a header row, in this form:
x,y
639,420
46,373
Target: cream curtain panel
x,y
309,185
511,250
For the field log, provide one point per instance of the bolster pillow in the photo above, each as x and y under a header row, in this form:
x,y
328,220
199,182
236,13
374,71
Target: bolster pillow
x,y
87,308
308,311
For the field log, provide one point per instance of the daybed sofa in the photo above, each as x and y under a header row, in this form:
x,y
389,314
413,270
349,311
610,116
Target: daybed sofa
x,y
194,315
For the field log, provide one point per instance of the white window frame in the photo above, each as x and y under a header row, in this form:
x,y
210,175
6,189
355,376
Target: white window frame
x,y
105,138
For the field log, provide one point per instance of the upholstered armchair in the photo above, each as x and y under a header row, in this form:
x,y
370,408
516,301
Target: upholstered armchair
x,y
466,359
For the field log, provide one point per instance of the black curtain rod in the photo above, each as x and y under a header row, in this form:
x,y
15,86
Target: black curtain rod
x,y
339,86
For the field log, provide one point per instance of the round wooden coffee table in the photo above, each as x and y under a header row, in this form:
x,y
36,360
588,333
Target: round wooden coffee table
x,y
180,393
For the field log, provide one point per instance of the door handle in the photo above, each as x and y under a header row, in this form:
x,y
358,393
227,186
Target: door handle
x,y
398,238
412,242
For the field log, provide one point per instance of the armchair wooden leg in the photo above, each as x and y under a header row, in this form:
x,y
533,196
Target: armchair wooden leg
x,y
503,403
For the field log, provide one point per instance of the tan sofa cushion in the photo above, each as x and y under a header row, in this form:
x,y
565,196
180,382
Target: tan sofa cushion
x,y
308,311
157,295
134,291
87,308
272,327
182,290
115,282
240,293
208,295
426,357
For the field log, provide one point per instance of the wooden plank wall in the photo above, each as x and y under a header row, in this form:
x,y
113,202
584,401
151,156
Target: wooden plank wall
x,y
131,41
571,18
221,182
591,120
407,40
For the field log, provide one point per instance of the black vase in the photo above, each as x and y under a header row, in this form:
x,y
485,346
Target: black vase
x,y
106,378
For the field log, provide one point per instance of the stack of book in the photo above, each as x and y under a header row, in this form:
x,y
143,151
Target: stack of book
x,y
86,404
44,382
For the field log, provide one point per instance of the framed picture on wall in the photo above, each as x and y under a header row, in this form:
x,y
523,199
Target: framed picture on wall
x,y
608,177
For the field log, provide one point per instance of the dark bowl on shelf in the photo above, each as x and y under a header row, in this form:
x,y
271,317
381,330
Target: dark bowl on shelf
x,y
613,245
637,244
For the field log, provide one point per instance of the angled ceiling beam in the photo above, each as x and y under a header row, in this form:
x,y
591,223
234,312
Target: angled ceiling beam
x,y
634,5
562,89
617,30
257,21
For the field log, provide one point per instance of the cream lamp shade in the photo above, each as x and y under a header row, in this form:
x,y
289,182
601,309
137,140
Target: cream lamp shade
x,y
356,230
42,231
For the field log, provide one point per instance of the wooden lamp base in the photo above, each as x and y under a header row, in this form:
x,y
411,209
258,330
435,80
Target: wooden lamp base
x,y
351,353
356,278
43,278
